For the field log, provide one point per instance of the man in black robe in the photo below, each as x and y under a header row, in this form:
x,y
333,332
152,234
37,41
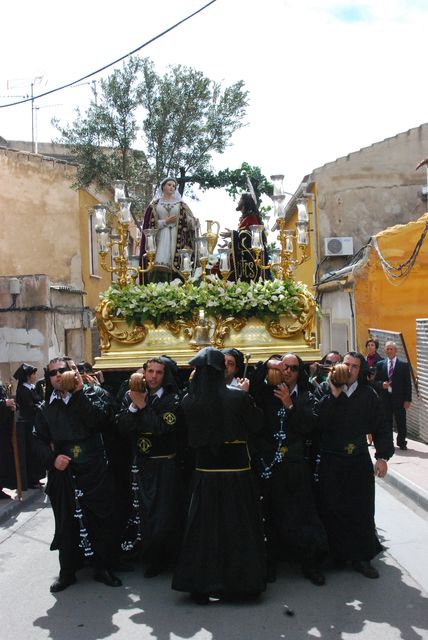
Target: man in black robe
x,y
150,419
69,443
223,553
28,401
293,527
346,476
7,465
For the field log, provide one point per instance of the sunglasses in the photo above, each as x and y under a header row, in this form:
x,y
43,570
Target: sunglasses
x,y
292,367
53,372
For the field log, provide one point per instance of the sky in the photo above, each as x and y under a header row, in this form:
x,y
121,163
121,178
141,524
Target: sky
x,y
325,77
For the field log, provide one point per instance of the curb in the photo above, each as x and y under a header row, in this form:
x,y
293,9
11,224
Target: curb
x,y
407,488
11,507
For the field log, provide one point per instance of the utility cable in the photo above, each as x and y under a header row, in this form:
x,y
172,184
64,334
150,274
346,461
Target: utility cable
x,y
93,73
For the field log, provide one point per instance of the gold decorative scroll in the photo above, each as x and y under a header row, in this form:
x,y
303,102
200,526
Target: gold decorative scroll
x,y
110,327
126,346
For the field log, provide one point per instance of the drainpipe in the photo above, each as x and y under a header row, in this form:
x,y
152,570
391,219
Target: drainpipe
x,y
307,194
353,328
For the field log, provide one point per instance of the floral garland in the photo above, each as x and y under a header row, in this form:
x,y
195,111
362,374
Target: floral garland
x,y
170,301
280,436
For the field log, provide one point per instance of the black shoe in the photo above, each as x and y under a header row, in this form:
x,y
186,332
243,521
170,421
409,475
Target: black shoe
x,y
153,569
200,598
271,573
314,575
62,582
364,567
204,598
403,447
106,577
123,566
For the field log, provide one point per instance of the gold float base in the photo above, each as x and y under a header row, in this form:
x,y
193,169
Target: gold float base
x,y
125,347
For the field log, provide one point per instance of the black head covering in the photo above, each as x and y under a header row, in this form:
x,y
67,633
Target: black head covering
x,y
203,406
23,371
239,359
209,357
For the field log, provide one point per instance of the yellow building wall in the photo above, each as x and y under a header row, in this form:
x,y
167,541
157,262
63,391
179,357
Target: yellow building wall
x,y
93,283
305,271
393,306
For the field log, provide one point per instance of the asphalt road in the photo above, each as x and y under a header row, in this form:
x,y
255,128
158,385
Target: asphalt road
x,y
348,607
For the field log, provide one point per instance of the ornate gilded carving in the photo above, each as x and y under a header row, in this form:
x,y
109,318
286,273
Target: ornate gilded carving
x,y
187,326
110,327
219,329
222,329
130,344
299,323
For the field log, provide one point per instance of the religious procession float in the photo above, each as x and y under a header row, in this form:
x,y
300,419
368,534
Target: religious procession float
x,y
188,291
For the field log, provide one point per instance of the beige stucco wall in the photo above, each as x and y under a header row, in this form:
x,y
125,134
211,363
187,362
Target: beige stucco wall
x,y
40,230
369,190
45,231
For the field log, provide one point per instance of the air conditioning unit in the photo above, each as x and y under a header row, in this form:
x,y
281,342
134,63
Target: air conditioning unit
x,y
339,246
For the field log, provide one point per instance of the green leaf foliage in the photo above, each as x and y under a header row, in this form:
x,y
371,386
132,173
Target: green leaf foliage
x,y
180,119
163,302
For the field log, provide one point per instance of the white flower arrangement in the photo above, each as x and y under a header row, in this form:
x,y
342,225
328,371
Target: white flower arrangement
x,y
170,301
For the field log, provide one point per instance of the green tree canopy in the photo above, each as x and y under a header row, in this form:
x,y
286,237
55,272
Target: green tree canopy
x,y
180,119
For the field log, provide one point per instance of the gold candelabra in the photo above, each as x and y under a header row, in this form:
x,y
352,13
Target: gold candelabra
x,y
113,235
112,228
282,261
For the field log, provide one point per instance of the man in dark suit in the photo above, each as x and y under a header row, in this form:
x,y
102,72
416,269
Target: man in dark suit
x,y
393,383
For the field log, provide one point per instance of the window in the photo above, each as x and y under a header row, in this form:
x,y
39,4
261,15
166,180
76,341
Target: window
x,y
93,247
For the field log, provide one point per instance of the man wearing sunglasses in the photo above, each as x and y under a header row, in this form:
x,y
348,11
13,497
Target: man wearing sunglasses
x,y
345,414
318,370
292,526
68,441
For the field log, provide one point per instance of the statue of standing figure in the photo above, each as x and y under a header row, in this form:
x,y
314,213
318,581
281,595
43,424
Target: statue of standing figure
x,y
176,227
243,263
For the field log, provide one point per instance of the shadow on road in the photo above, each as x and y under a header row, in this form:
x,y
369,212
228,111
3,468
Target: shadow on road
x,y
348,606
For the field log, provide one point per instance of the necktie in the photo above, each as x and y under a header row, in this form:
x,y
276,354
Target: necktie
x,y
390,369
151,400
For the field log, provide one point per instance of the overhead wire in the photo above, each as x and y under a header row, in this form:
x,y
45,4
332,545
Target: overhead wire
x,y
396,272
93,73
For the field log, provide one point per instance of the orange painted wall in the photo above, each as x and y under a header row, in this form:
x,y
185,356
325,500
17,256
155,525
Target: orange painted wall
x,y
393,306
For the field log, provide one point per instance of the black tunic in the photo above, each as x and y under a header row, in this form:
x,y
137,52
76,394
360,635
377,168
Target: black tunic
x,y
293,526
7,465
28,402
74,429
223,550
346,477
152,432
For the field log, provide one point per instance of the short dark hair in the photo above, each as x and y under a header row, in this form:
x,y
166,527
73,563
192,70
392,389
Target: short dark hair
x,y
58,359
375,342
336,353
154,359
364,367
